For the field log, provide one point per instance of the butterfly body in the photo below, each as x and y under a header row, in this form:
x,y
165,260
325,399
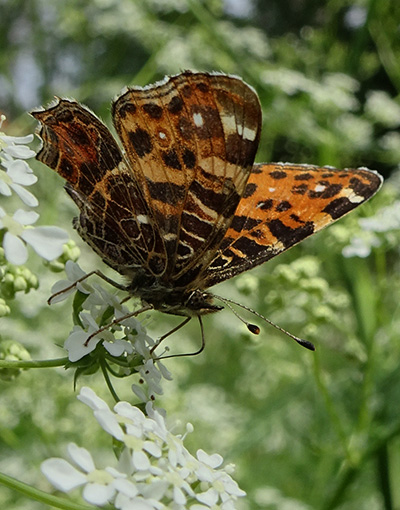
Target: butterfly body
x,y
183,206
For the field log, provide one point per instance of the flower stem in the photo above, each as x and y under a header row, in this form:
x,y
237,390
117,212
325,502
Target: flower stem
x,y
46,363
38,495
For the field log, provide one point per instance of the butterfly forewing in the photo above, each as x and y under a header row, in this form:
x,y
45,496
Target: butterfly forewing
x,y
282,205
191,143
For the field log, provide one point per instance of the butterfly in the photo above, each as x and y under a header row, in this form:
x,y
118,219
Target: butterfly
x,y
183,206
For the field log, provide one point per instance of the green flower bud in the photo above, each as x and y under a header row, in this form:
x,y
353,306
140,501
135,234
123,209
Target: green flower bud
x,y
12,351
4,308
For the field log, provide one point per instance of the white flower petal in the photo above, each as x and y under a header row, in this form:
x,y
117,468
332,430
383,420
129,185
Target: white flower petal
x,y
212,461
179,496
14,249
109,423
128,411
122,502
62,475
25,217
140,460
48,242
126,487
81,457
115,473
17,139
21,173
152,448
26,196
4,189
89,397
117,347
138,391
59,288
75,344
209,497
98,494
19,151
73,271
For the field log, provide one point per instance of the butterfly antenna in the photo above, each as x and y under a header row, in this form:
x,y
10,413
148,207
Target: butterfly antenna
x,y
253,328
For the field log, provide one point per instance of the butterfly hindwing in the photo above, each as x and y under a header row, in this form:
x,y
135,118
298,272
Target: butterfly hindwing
x,y
282,205
78,146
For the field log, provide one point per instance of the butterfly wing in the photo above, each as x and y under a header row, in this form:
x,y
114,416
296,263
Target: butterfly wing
x,y
191,143
115,219
282,205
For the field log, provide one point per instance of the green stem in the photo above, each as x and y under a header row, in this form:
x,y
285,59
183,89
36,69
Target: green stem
x,y
329,404
350,472
104,369
383,475
38,495
47,363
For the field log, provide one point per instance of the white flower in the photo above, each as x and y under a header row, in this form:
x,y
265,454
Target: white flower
x,y
131,341
99,483
46,241
76,345
144,477
14,146
374,230
63,288
18,173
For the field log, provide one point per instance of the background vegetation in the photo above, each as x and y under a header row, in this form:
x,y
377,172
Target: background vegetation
x,y
306,430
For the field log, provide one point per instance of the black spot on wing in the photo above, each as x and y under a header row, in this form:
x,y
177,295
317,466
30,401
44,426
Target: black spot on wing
x,y
141,142
153,110
278,174
171,159
283,206
175,105
338,207
166,192
288,235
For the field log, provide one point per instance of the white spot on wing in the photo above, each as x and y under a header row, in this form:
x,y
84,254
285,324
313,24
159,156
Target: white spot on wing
x,y
142,218
229,123
249,134
169,237
162,135
198,119
319,188
356,199
271,190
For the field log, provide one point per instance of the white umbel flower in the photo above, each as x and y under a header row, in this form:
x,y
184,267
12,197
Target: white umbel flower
x,y
146,476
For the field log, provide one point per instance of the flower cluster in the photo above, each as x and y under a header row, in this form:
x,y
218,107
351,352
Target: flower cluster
x,y
18,228
154,470
122,336
383,228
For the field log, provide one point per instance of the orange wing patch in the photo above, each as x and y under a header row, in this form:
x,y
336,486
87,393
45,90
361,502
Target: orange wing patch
x,y
282,205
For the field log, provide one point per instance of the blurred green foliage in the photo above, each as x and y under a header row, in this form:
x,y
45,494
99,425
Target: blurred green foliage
x,y
306,430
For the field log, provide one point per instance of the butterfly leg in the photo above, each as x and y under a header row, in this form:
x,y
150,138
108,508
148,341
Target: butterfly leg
x,y
144,308
176,328
75,283
203,343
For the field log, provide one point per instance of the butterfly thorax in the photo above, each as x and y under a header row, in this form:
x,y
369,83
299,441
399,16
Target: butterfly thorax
x,y
175,301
